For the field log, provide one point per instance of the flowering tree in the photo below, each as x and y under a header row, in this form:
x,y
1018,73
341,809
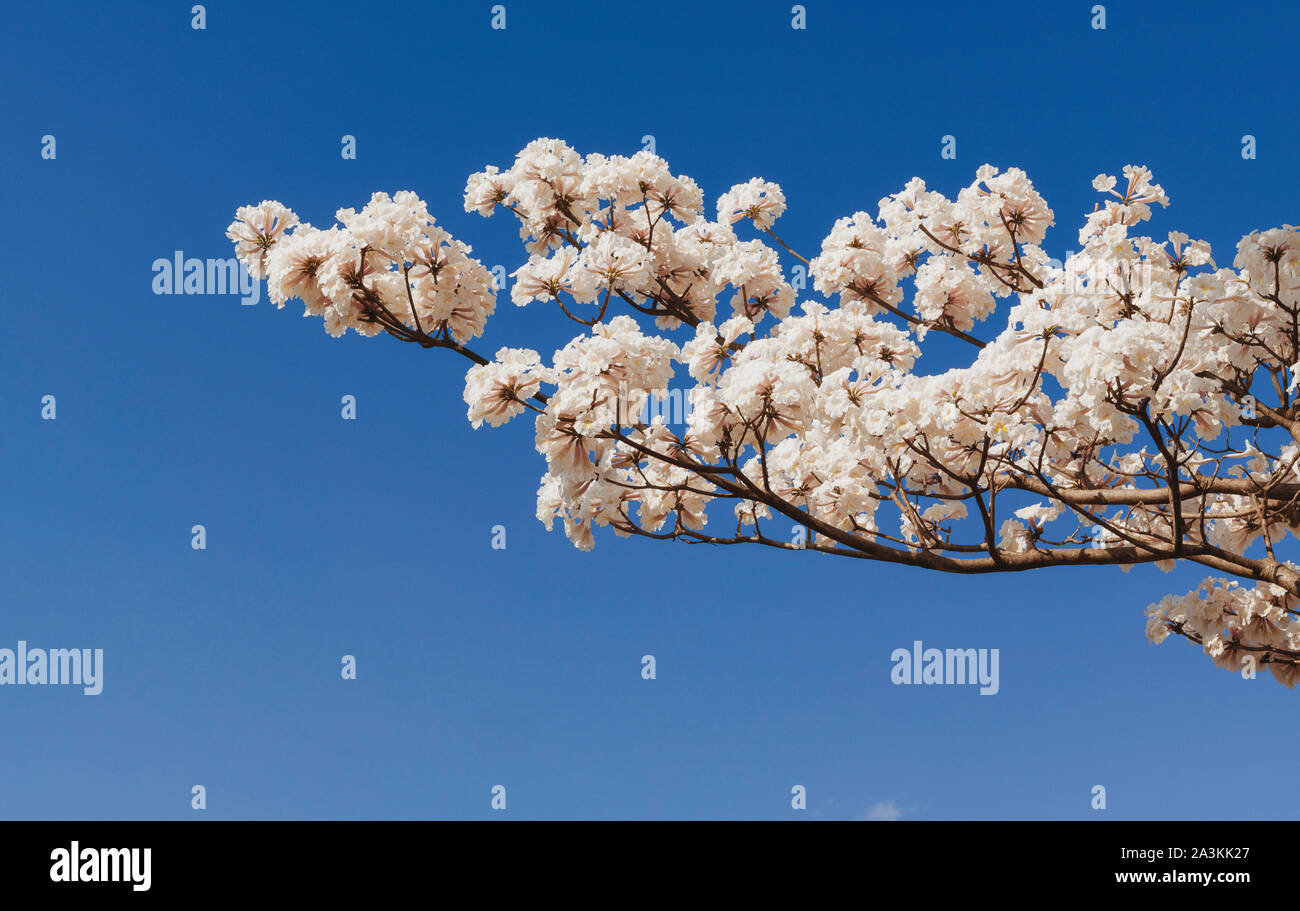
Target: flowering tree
x,y
1139,406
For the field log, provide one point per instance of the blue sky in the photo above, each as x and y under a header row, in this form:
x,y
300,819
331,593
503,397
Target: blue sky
x,y
371,537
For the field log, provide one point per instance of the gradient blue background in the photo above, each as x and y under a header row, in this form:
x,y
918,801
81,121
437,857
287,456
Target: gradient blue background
x,y
480,667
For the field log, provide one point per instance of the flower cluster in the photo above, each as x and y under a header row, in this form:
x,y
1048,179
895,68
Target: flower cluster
x,y
1238,627
387,267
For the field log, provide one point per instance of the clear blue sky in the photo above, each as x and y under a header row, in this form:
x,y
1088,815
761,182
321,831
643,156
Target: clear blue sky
x,y
522,667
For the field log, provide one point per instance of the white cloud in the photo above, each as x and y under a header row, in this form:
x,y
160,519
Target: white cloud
x,y
885,810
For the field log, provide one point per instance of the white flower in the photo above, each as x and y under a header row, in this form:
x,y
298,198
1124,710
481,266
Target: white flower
x,y
761,201
497,391
256,229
